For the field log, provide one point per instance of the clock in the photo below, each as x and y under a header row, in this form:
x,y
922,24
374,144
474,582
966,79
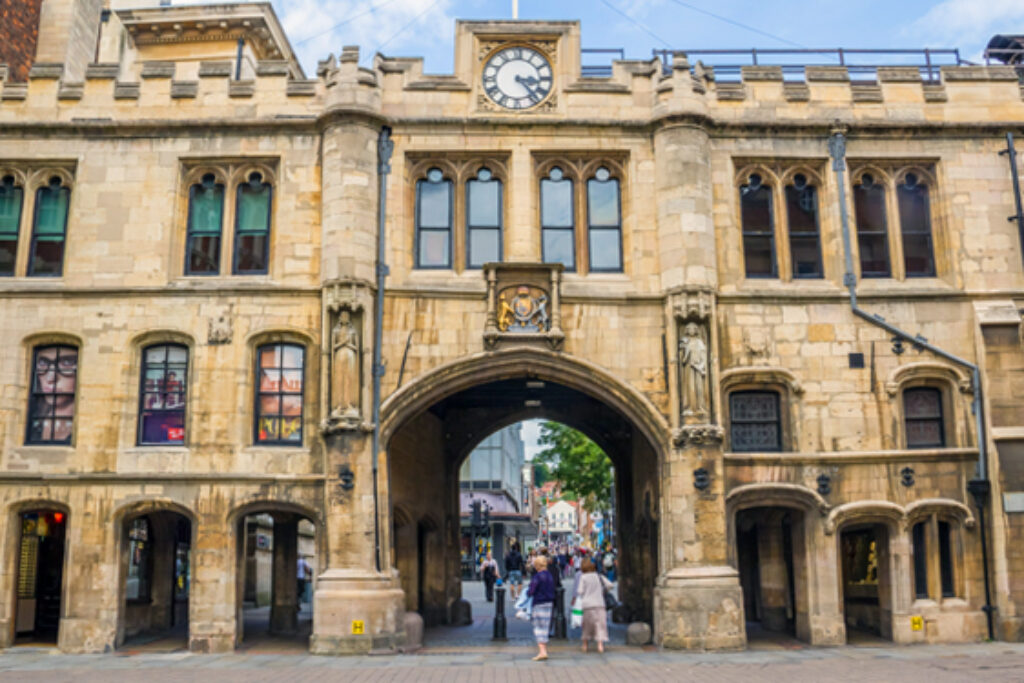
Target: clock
x,y
517,77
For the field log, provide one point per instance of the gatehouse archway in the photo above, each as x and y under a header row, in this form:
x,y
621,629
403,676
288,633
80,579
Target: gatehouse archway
x,y
431,426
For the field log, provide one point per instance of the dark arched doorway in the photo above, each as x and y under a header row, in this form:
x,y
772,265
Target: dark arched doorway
x,y
426,449
156,560
278,560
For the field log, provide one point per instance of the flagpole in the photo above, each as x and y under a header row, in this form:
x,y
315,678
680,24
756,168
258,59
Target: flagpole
x,y
515,9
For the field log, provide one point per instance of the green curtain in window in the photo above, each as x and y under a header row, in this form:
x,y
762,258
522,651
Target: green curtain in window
x,y
254,208
207,209
52,214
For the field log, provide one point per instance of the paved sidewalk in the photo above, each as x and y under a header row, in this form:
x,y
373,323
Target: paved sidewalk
x,y
906,664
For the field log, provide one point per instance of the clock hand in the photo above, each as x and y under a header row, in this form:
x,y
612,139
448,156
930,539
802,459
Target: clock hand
x,y
529,81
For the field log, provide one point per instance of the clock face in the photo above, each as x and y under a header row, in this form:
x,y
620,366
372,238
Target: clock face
x,y
517,77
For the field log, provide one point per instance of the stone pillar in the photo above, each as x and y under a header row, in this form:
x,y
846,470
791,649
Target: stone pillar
x,y
67,35
211,599
774,577
358,605
825,579
698,600
284,601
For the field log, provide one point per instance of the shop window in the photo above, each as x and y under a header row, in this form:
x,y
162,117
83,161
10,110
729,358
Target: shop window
x,y
872,233
51,411
923,419
755,422
915,226
434,221
604,222
205,222
804,235
483,219
557,219
252,226
11,200
758,229
163,394
279,394
46,254
140,561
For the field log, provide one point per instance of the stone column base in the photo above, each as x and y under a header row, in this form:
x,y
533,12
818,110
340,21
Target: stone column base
x,y
345,597
699,608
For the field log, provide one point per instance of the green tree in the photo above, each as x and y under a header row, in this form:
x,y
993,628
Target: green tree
x,y
578,463
541,473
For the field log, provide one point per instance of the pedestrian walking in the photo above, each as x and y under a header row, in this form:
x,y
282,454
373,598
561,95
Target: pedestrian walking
x,y
588,594
542,590
304,572
489,571
514,571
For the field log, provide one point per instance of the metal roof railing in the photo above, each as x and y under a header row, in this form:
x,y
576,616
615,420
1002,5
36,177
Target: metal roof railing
x,y
604,68
862,64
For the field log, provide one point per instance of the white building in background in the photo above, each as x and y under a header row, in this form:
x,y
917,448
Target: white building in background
x,y
563,520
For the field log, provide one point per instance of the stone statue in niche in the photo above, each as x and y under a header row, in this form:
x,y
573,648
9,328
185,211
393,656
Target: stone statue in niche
x,y
345,376
693,372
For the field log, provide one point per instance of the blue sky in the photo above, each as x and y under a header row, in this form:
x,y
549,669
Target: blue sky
x,y
425,27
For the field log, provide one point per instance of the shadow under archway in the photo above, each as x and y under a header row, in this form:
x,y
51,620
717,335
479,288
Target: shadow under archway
x,y
426,449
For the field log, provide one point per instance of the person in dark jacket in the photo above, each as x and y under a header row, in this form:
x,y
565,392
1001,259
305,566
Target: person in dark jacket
x,y
514,571
542,590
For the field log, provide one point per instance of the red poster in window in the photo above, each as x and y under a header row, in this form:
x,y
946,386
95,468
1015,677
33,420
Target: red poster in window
x,y
175,433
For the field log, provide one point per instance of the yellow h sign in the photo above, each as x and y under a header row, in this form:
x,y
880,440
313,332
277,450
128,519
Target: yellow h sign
x,y
358,627
916,623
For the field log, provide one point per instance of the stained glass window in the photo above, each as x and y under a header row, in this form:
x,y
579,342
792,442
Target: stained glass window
x,y
755,424
252,227
163,395
557,220
758,228
872,234
922,410
434,221
915,227
483,219
804,236
205,216
51,411
604,222
10,223
279,394
48,232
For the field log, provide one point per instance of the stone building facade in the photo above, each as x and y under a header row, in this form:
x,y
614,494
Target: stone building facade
x,y
655,256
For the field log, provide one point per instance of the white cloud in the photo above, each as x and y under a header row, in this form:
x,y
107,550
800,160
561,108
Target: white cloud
x,y
313,26
968,24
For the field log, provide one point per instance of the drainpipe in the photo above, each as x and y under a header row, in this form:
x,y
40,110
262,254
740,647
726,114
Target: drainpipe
x,y
384,148
979,487
1011,154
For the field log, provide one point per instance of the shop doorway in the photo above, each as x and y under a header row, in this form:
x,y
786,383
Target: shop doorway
x,y
867,607
277,570
40,580
156,551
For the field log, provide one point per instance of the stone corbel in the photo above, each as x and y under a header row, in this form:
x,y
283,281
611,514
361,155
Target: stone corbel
x,y
693,305
698,435
343,296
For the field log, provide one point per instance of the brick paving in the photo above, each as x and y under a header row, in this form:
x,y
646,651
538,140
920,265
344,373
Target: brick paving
x,y
466,654
931,663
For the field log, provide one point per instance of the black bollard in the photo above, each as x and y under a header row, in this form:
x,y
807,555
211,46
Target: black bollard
x,y
559,617
500,625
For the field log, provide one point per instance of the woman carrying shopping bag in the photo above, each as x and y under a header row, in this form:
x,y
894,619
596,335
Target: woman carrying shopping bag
x,y
542,590
589,595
